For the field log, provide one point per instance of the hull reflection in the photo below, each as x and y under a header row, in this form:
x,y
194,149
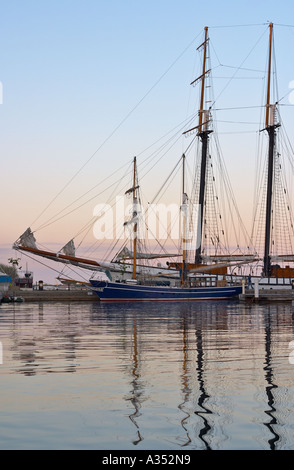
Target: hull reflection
x,y
208,376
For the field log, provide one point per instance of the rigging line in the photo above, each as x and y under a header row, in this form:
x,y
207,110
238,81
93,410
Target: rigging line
x,y
275,74
83,195
71,268
259,151
228,184
99,242
147,209
236,122
286,25
237,25
163,155
288,93
87,227
219,62
53,218
95,218
92,221
161,245
236,78
185,122
238,132
173,173
171,240
50,221
47,266
238,107
240,66
287,139
160,189
119,124
153,155
287,147
173,170
157,151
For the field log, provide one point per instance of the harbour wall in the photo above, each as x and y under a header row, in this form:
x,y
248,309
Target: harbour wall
x,y
57,295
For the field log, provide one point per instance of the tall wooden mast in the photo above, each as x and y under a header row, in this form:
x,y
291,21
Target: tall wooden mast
x,y
270,127
184,219
269,76
203,132
134,215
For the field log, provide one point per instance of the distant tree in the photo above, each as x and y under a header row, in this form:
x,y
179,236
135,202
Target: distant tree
x,y
14,262
12,269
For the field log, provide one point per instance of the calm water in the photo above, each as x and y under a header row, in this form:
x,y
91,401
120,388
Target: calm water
x,y
147,376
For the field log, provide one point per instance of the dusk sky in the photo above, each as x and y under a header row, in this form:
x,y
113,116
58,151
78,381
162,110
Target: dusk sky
x,y
86,85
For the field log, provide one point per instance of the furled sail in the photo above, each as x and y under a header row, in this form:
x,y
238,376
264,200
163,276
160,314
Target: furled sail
x,y
125,253
27,239
69,248
27,243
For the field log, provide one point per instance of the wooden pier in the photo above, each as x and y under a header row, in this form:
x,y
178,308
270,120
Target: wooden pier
x,y
54,295
267,295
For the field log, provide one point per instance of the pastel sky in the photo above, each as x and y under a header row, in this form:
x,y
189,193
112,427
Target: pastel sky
x,y
86,85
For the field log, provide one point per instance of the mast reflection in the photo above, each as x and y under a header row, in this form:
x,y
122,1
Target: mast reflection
x,y
271,386
136,392
203,395
186,390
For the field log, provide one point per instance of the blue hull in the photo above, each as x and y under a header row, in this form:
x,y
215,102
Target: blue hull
x,y
114,291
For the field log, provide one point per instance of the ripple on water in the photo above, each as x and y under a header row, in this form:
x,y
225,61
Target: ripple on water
x,y
153,376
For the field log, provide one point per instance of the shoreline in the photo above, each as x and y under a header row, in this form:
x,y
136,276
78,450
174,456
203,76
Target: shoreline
x,y
53,295
87,295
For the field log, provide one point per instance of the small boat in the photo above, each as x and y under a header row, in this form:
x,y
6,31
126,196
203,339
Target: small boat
x,y
8,299
5,281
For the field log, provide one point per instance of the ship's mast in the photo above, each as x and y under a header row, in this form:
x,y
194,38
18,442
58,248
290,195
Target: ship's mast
x,y
270,127
134,215
184,219
203,133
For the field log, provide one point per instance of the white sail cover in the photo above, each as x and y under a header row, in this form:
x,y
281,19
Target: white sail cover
x,y
69,248
28,239
126,253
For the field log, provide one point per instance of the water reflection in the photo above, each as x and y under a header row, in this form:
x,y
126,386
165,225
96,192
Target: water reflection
x,y
185,387
198,376
203,397
136,393
269,377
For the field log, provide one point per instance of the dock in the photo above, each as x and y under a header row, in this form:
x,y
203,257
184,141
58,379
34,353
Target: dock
x,y
87,295
267,295
54,295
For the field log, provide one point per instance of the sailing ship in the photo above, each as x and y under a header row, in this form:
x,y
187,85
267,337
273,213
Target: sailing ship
x,y
158,290
178,280
275,231
218,275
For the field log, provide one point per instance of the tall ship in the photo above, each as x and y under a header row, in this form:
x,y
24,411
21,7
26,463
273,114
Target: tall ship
x,y
272,231
206,263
